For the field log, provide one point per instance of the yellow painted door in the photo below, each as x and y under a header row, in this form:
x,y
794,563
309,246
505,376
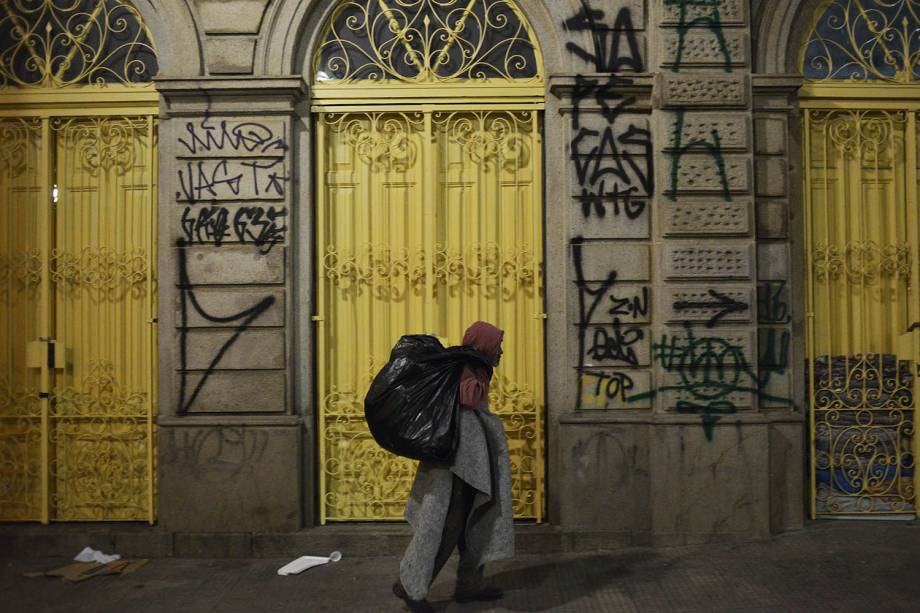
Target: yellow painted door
x,y
427,220
77,389
862,227
23,299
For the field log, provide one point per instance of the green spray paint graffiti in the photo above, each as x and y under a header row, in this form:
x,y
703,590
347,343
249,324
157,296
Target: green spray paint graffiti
x,y
711,372
680,148
713,22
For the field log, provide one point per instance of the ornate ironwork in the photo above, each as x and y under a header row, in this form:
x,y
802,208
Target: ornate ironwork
x,y
104,143
100,437
863,262
864,40
58,43
426,41
490,136
99,268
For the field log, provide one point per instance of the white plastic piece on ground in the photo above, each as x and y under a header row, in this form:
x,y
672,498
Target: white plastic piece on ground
x,y
304,562
91,555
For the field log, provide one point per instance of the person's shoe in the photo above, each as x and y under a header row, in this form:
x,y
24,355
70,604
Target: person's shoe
x,y
416,606
482,592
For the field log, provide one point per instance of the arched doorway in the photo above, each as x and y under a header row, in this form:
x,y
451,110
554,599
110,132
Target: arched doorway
x,y
78,136
428,217
861,61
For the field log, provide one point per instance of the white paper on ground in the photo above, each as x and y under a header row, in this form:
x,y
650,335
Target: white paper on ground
x,y
304,562
91,555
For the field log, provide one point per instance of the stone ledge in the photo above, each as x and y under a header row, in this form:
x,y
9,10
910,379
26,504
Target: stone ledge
x,y
353,540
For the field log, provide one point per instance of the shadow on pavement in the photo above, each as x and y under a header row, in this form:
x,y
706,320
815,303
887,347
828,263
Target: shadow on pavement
x,y
544,586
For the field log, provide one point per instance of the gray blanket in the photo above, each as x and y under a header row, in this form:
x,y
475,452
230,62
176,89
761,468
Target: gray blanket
x,y
482,462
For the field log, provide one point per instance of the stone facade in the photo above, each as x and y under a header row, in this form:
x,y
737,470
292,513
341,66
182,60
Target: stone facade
x,y
671,191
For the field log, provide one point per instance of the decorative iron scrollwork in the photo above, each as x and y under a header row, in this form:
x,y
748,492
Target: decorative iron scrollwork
x,y
57,43
864,40
426,41
104,143
863,262
99,268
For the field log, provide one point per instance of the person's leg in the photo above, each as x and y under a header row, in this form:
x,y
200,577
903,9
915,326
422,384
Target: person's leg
x,y
454,524
471,585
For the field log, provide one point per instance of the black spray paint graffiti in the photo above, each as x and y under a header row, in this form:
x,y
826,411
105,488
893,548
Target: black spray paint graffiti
x,y
680,148
205,180
248,137
772,307
615,48
613,342
241,322
720,303
259,225
612,169
712,21
710,370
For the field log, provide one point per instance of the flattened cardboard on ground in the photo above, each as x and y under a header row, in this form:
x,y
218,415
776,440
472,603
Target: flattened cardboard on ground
x,y
81,571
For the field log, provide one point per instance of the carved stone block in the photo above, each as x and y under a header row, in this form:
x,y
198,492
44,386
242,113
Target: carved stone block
x,y
234,265
629,303
770,135
772,219
710,217
239,392
701,126
227,136
705,50
700,90
771,176
772,261
610,218
620,345
726,12
227,302
631,262
252,349
701,173
714,393
229,54
710,262
682,350
605,389
713,304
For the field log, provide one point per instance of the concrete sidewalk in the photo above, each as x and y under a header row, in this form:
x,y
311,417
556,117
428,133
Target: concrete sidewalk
x,y
831,566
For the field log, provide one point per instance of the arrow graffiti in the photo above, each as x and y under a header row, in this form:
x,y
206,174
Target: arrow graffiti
x,y
721,303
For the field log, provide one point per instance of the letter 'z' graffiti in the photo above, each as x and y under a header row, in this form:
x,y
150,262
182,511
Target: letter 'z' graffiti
x,y
612,342
240,321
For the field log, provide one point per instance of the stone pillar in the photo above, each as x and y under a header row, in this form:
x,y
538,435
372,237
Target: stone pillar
x,y
682,425
231,444
781,329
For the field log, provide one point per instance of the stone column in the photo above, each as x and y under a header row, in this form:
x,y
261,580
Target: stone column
x,y
230,448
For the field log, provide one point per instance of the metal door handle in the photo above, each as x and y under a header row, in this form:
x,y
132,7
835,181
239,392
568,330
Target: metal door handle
x,y
913,326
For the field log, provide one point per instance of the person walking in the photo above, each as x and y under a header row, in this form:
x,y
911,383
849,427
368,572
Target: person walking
x,y
465,504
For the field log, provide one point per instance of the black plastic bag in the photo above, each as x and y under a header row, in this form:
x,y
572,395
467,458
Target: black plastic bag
x,y
412,407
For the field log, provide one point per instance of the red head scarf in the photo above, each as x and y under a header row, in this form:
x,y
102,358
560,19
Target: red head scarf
x,y
474,384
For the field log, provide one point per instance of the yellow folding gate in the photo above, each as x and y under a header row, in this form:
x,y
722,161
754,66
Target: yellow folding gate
x,y
77,309
428,219
863,306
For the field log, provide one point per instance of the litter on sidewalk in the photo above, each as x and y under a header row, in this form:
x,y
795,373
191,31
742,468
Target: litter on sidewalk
x,y
81,571
91,563
304,562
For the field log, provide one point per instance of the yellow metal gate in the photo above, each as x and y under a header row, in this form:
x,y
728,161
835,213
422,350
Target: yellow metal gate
x,y
77,261
429,217
863,255
77,350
